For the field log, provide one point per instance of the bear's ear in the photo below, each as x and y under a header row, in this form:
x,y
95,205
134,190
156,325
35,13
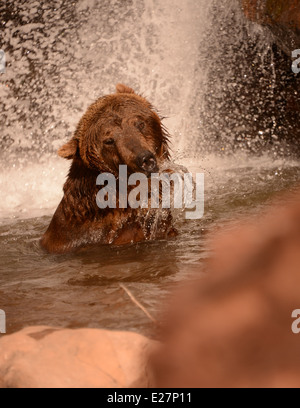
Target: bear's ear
x,y
69,150
124,89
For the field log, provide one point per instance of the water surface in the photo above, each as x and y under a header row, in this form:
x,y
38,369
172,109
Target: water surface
x,y
83,289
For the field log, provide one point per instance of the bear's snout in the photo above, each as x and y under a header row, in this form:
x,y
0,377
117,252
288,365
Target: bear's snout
x,y
147,162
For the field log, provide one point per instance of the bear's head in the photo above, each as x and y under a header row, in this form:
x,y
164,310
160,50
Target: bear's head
x,y
119,129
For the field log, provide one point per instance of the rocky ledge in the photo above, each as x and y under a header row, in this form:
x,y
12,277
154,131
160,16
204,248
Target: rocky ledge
x,y
44,357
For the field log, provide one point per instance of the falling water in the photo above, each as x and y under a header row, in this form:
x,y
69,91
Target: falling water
x,y
63,55
205,68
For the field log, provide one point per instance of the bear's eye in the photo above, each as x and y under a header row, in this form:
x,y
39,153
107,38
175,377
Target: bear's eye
x,y
109,142
140,125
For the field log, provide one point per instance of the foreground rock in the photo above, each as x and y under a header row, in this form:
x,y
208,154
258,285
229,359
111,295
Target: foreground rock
x,y
44,357
234,327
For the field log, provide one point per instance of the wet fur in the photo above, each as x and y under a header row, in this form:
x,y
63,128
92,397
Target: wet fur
x,y
136,128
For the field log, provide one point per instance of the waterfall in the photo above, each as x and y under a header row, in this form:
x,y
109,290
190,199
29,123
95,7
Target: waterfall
x,y
63,55
185,56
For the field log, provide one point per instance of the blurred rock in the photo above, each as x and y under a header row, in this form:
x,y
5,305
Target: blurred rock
x,y
233,328
282,16
44,357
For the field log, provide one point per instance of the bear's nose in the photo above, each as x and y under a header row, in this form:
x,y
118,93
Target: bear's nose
x,y
147,162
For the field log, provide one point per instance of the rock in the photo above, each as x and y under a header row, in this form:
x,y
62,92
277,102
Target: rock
x,y
285,12
282,17
234,327
43,357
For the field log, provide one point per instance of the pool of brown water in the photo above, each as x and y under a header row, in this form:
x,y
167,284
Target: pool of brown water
x,y
83,289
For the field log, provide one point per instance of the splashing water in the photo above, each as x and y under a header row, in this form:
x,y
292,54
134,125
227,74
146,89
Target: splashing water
x,y
62,56
189,59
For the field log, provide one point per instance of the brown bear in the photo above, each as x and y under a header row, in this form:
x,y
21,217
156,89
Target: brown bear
x,y
118,129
